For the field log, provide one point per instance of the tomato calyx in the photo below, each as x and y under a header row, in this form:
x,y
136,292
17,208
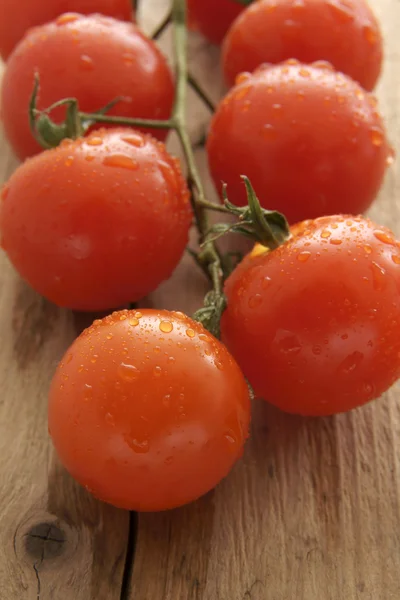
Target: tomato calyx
x,y
267,227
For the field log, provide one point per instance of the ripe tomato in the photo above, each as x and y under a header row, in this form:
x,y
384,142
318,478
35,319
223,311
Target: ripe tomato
x,y
97,222
311,141
14,23
315,324
94,59
342,32
212,18
148,410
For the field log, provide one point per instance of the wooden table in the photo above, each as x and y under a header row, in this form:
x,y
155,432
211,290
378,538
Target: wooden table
x,y
310,513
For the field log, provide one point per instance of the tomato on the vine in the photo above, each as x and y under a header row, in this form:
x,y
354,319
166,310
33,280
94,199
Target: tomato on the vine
x,y
212,18
148,410
314,325
92,58
14,23
97,222
346,34
310,140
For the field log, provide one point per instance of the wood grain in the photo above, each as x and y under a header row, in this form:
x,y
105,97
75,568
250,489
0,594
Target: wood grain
x,y
312,512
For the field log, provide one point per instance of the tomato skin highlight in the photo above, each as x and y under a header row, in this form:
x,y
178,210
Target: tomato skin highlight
x,y
212,18
72,59
14,23
347,35
148,410
97,222
314,325
310,140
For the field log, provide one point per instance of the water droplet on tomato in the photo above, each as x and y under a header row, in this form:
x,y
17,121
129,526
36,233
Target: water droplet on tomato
x,y
396,259
120,161
378,276
169,460
86,63
351,362
94,141
269,132
134,140
370,34
171,359
69,160
166,326
376,136
243,92
242,77
89,157
140,446
316,350
128,372
287,342
303,256
255,301
384,237
67,18
326,234
190,333
133,322
109,419
157,371
94,358
128,59
87,392
367,248
266,282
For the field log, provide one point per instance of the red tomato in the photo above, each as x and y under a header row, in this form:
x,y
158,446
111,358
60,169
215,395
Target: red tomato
x,y
15,22
97,222
148,410
94,59
311,141
212,18
342,32
314,325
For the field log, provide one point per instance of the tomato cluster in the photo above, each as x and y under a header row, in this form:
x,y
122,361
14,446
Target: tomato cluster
x,y
148,409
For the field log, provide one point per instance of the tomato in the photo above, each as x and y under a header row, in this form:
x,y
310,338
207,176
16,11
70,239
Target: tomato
x,y
97,222
14,23
212,18
311,141
94,59
148,410
315,324
342,32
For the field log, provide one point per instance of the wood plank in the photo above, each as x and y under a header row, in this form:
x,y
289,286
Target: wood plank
x,y
56,541
312,512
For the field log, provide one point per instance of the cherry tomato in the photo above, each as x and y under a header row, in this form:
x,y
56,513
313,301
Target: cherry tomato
x,y
97,222
148,410
212,18
14,23
311,141
315,324
344,33
94,59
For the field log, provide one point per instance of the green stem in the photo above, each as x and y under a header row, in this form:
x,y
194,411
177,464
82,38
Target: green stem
x,y
128,122
210,255
201,93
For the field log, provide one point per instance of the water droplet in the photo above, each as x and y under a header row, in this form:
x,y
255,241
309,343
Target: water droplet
x,y
128,59
242,77
138,314
69,160
344,336
303,256
204,338
133,322
128,372
304,73
378,276
287,342
317,350
351,362
135,140
120,161
69,359
384,237
67,18
94,141
219,365
243,91
266,282
169,460
326,234
109,419
269,132
167,400
396,259
255,301
86,63
140,446
190,333
94,358
89,157
87,392
166,326
157,371
230,437
377,136
171,359
367,248
370,34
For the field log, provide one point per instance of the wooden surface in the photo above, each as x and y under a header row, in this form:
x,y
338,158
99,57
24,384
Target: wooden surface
x,y
312,512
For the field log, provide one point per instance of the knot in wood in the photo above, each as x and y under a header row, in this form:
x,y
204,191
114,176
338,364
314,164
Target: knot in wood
x,y
45,541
